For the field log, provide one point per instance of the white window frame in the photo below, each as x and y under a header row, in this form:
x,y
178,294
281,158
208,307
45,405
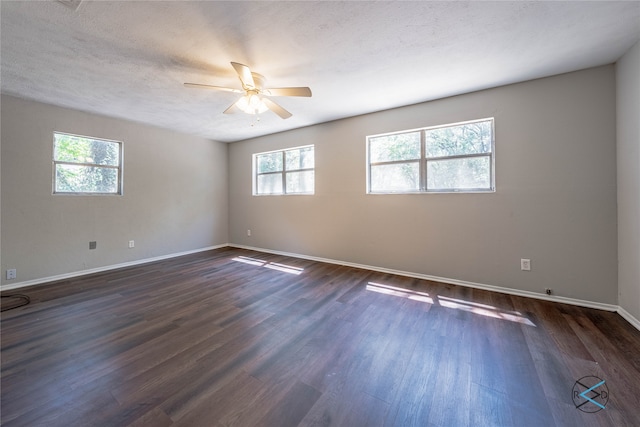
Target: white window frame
x,y
424,160
283,173
119,167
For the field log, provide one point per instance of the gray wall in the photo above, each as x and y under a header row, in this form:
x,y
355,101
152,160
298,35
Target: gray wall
x,y
628,121
175,195
555,201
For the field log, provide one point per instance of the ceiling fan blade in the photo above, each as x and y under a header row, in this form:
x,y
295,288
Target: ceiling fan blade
x,y
276,108
233,108
244,73
289,91
200,86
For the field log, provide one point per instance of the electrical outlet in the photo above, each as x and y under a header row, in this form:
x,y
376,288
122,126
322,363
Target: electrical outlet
x,y
547,291
525,264
132,243
248,232
11,274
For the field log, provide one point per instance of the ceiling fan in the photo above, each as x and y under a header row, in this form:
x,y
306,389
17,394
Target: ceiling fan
x,y
255,95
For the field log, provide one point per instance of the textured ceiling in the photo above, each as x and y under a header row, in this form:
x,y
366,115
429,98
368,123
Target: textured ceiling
x,y
129,59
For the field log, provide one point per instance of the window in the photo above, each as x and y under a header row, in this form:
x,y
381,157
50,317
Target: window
x,y
284,172
84,165
450,158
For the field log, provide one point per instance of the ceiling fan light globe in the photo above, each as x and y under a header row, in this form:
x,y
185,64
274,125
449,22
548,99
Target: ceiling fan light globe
x,y
252,104
257,104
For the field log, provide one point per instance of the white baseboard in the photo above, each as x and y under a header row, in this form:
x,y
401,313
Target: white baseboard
x,y
629,318
510,291
564,300
105,268
573,301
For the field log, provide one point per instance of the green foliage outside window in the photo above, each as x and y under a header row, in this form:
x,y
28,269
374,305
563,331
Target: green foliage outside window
x,y
86,165
470,138
447,158
285,172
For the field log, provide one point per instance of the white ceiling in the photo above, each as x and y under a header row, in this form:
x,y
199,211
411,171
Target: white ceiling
x,y
129,59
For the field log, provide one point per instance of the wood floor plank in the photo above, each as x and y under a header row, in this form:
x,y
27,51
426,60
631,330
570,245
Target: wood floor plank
x,y
236,337
412,404
155,417
618,371
291,409
221,402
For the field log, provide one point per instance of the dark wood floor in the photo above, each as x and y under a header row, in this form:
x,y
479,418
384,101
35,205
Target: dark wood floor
x,y
233,337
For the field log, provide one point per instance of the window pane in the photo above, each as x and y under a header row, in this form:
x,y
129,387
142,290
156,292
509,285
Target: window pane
x,y
270,184
77,149
294,166
459,174
86,179
389,148
470,138
270,162
300,182
300,158
395,177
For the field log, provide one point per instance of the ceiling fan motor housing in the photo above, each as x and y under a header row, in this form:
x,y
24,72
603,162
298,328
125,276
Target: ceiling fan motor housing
x,y
256,97
258,81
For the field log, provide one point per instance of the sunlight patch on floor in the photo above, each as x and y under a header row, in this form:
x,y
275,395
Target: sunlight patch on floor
x,y
271,265
399,292
453,303
484,310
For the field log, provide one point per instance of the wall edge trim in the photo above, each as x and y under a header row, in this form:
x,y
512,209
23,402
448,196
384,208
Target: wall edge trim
x,y
564,300
510,291
73,274
629,318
